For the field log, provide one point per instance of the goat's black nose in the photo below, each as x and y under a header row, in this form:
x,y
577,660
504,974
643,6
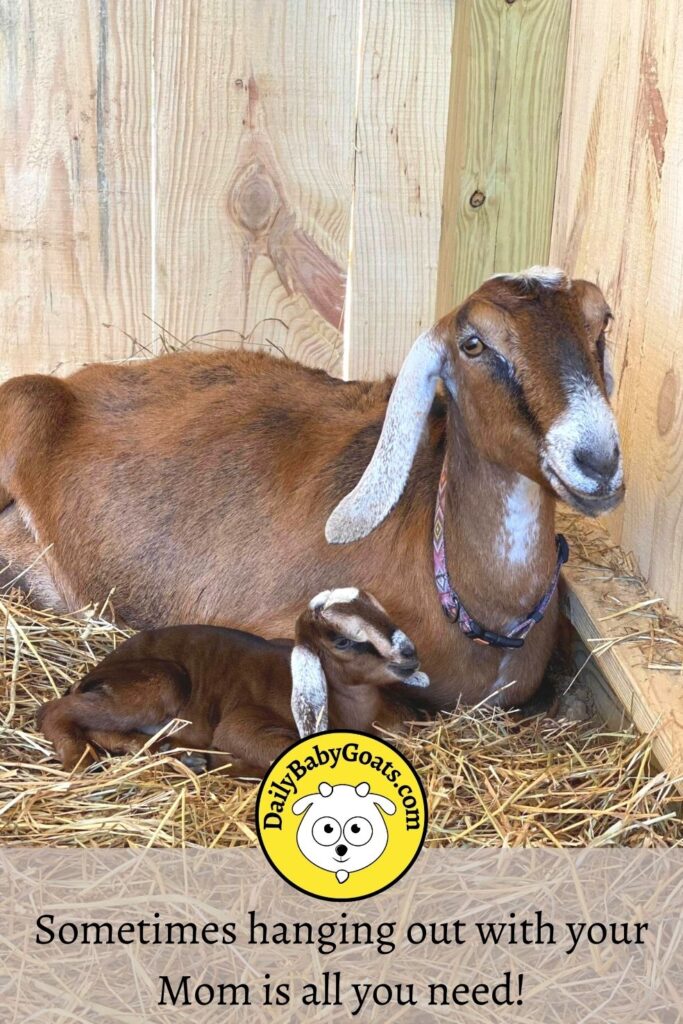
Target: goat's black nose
x,y
341,850
407,649
598,465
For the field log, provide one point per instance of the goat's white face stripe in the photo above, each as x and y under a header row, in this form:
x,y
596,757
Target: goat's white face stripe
x,y
550,277
343,595
356,628
587,424
398,639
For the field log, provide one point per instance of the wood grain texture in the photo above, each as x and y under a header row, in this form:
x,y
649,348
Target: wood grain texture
x,y
503,136
75,249
255,147
401,130
619,221
179,171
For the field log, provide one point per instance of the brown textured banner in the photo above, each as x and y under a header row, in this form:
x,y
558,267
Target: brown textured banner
x,y
467,935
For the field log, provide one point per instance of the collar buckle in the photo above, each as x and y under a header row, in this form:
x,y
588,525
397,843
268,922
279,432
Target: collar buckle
x,y
490,639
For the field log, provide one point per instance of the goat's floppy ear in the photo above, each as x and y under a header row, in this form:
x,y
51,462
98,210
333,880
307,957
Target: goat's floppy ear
x,y
309,692
384,802
303,803
385,477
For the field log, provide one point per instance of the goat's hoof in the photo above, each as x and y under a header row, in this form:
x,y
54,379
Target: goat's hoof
x,y
79,760
198,762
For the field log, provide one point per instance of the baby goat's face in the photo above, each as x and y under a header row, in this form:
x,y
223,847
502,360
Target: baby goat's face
x,y
350,627
527,368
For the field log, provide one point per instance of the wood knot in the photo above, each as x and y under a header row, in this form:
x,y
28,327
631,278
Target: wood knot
x,y
477,199
666,403
253,200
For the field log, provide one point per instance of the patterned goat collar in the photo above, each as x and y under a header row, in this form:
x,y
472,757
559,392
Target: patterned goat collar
x,y
451,603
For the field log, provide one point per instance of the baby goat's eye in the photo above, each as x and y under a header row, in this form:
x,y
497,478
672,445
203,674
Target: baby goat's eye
x,y
472,347
342,643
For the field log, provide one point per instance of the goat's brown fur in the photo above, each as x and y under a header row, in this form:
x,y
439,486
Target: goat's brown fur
x,y
198,485
233,687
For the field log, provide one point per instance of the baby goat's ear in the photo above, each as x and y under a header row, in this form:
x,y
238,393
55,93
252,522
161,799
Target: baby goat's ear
x,y
309,692
385,477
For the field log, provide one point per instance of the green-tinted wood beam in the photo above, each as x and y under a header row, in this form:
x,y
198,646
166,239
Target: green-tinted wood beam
x,y
507,83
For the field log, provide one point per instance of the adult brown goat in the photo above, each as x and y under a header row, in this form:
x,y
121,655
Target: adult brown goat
x,y
200,485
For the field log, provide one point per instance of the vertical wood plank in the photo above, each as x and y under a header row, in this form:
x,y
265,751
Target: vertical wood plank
x,y
618,220
503,136
401,130
255,107
74,190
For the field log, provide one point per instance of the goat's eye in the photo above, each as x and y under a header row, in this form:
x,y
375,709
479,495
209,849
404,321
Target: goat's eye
x,y
358,831
326,831
342,643
472,347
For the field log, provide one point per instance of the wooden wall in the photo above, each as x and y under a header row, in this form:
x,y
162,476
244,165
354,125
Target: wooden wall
x,y
278,172
178,169
503,136
619,220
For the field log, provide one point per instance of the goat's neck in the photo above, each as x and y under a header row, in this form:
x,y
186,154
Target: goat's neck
x,y
354,707
499,533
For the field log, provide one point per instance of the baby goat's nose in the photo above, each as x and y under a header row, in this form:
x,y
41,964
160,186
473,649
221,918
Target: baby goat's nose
x,y
341,850
406,649
598,465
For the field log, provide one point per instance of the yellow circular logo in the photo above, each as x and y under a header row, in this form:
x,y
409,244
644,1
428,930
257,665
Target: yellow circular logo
x,y
341,815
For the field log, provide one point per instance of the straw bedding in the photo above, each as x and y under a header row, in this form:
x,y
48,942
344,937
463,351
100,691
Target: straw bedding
x,y
491,778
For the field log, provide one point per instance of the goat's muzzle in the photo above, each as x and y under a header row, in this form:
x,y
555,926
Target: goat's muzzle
x,y
581,456
404,668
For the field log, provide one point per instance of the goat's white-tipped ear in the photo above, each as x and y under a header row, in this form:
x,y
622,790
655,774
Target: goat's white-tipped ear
x,y
385,477
417,679
309,692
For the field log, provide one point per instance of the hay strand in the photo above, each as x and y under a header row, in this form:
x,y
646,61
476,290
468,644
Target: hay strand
x,y
490,778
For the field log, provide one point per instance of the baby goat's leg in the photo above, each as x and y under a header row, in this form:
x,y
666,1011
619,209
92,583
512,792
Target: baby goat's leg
x,y
58,724
121,701
116,742
249,740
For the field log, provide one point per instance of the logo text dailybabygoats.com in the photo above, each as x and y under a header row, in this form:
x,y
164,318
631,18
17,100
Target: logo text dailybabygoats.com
x,y
331,757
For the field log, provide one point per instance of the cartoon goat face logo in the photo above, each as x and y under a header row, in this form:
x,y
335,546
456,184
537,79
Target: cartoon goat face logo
x,y
342,829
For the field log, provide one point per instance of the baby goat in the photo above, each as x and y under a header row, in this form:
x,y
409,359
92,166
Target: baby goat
x,y
246,699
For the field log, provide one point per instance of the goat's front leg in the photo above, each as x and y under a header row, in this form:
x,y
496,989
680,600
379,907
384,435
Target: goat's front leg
x,y
249,740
